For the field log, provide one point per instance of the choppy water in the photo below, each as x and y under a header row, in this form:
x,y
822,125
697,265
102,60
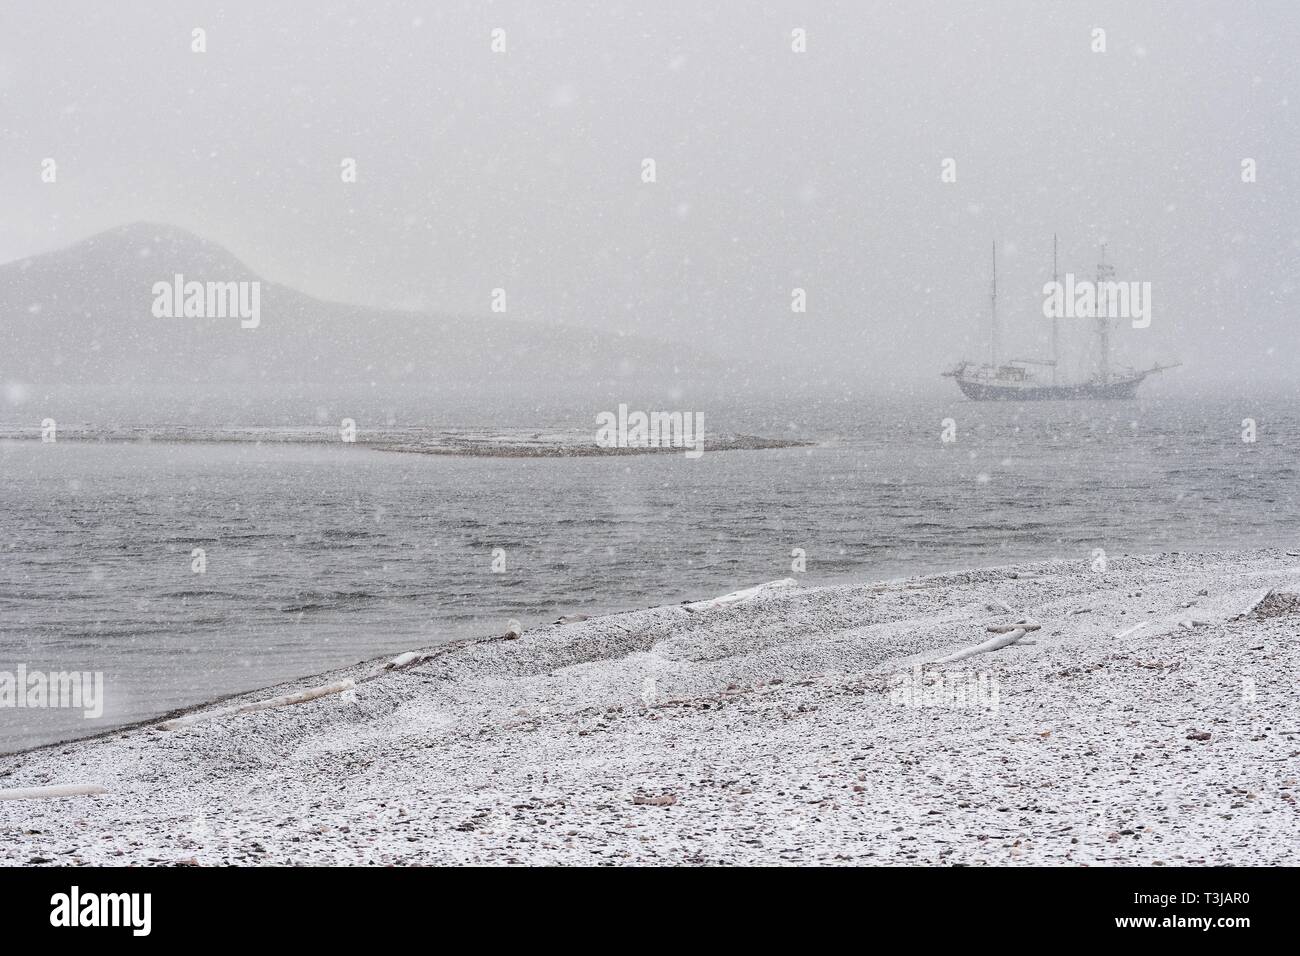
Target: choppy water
x,y
319,556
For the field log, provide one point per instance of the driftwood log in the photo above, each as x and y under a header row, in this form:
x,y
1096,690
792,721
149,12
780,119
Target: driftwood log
x,y
287,700
1007,634
739,597
46,793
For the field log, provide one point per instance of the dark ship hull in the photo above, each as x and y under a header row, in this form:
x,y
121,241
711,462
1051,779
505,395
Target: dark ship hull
x,y
990,392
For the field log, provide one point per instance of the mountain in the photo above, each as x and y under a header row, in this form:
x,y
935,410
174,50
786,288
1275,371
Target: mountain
x,y
84,315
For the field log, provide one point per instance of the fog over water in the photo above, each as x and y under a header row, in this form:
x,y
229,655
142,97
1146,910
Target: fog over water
x,y
775,170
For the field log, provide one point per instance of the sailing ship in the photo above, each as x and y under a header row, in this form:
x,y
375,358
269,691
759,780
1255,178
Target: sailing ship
x,y
1017,380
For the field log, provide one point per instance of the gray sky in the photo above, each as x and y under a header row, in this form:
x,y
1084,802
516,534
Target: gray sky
x,y
775,169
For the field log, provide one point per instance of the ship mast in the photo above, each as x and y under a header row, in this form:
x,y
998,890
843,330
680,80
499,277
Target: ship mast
x,y
1104,272
1056,321
993,303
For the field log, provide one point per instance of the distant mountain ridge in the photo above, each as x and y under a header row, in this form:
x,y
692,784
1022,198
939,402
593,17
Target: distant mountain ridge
x,y
83,315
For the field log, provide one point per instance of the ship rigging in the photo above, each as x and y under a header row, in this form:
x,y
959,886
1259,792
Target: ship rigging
x,y
1015,379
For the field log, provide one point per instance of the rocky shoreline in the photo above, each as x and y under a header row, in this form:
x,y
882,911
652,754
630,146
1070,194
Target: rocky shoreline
x,y
1148,717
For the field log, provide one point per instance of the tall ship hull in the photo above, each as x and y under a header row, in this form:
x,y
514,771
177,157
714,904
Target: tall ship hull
x,y
986,392
1016,381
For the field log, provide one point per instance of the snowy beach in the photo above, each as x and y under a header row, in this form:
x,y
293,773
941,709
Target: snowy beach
x,y
1149,718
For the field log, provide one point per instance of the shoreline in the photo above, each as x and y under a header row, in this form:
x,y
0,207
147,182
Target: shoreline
x,y
457,443
605,739
824,581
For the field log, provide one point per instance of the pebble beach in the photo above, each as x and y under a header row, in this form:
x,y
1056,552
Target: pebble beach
x,y
1143,713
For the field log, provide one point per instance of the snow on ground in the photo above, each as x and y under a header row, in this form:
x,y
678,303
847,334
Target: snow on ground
x,y
777,729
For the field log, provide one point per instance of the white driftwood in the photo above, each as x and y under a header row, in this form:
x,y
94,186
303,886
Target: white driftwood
x,y
1132,630
1024,622
1002,640
299,698
1007,634
405,660
46,793
738,597
1008,628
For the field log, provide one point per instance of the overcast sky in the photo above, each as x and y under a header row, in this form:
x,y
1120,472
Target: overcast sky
x,y
775,169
